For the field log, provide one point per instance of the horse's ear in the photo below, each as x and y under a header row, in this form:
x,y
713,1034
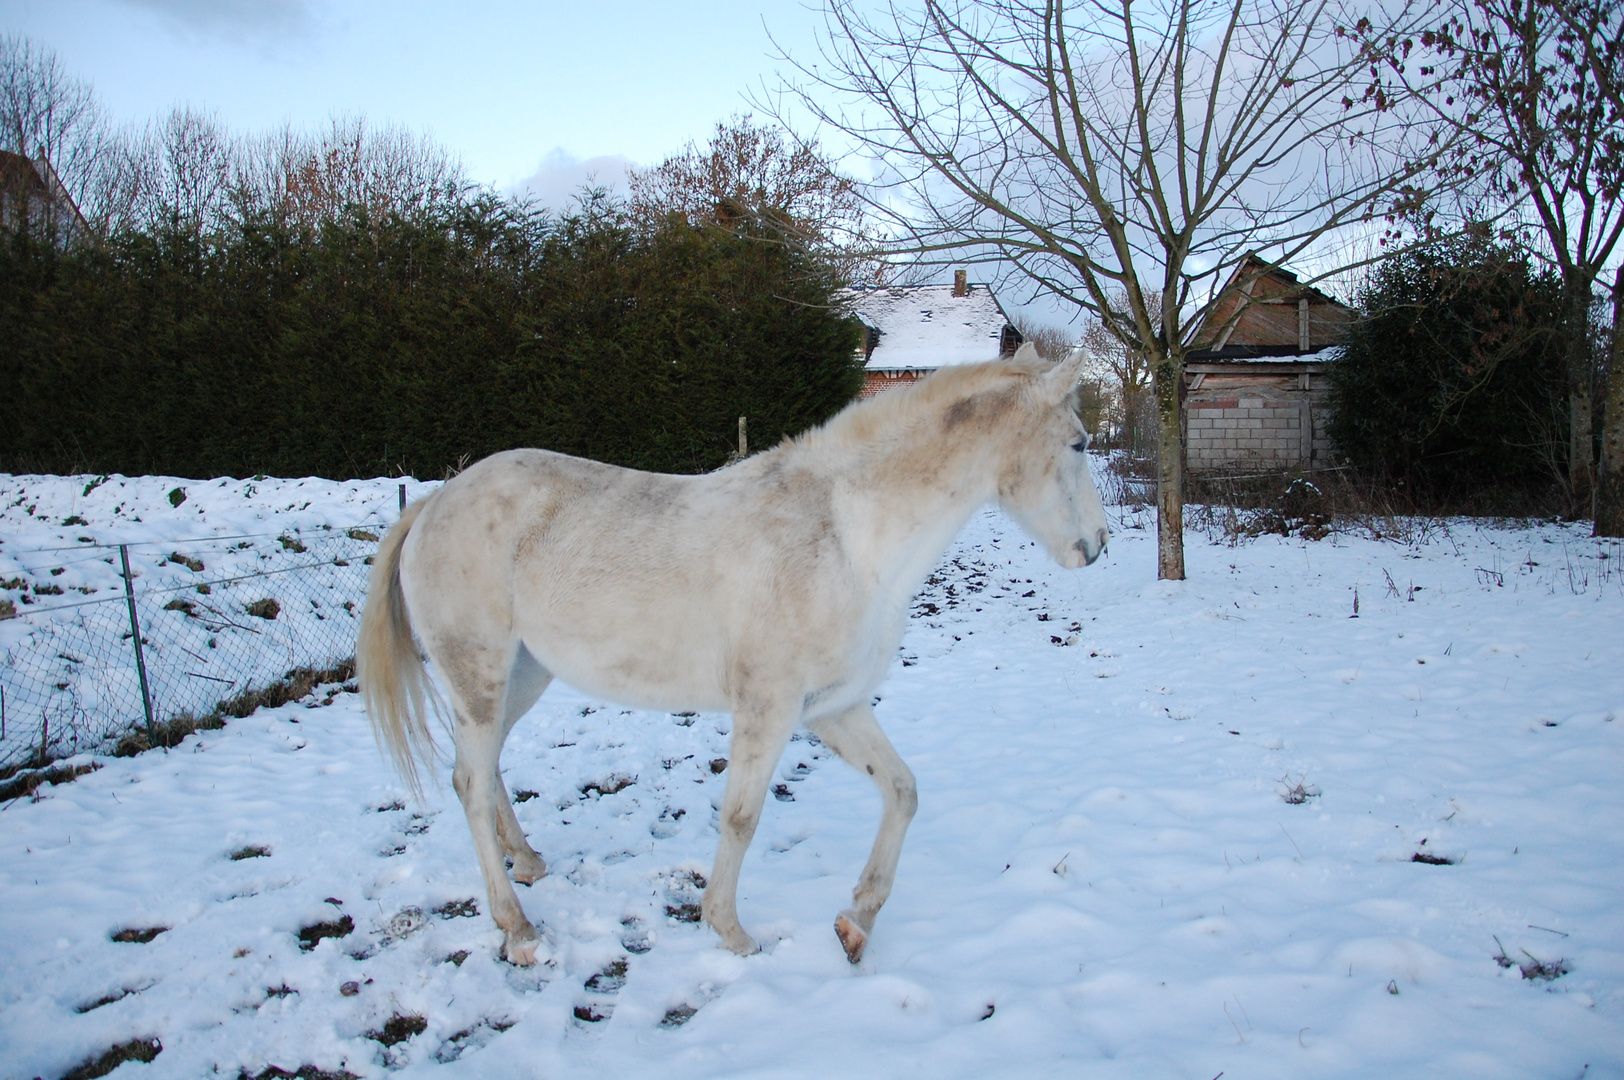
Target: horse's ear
x,y
1027,353
1064,376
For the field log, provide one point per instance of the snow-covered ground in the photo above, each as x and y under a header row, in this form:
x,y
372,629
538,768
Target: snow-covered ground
x,y
1164,830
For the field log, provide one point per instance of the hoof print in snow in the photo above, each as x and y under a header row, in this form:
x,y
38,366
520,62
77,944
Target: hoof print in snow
x,y
782,793
635,938
456,958
678,1015
119,995
303,1072
594,1012
252,851
404,923
609,785
392,851
133,935
387,807
469,1039
142,1050
1432,860
313,935
398,1029
610,979
682,893
457,909
668,824
524,795
685,719
419,825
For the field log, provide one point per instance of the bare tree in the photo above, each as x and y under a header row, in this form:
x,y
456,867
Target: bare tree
x,y
1143,147
758,171
53,119
304,179
1532,89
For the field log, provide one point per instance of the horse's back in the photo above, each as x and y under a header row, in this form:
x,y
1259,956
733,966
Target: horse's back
x,y
647,588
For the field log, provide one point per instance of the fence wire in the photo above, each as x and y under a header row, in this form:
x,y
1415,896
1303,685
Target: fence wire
x,y
219,617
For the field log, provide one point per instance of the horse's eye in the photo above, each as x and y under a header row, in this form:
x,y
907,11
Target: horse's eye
x,y
1080,445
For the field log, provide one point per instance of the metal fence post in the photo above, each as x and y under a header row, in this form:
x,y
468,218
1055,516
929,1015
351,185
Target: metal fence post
x,y
403,498
135,635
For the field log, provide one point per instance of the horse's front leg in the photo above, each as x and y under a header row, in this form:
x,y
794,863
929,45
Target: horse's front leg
x,y
759,737
856,736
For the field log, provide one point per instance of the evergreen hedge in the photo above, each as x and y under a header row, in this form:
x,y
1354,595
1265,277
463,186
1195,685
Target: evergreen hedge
x,y
1452,383
407,345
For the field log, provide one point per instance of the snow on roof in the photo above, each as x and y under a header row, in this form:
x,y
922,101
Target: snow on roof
x,y
926,326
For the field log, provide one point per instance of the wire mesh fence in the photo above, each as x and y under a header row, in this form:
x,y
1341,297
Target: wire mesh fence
x,y
145,633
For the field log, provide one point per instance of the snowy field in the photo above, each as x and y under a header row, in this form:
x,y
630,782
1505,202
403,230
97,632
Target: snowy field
x,y
1165,830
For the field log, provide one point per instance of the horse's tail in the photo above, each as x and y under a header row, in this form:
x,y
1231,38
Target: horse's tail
x,y
395,686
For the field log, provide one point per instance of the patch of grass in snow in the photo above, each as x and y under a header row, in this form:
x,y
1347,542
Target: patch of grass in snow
x,y
1432,860
398,1028
458,909
304,1072
296,684
142,1050
678,1015
252,851
312,935
13,786
132,935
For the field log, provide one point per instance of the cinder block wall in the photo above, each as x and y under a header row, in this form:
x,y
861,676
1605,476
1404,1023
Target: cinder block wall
x,y
1265,422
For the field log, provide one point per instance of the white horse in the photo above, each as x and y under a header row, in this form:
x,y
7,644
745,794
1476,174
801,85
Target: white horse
x,y
777,588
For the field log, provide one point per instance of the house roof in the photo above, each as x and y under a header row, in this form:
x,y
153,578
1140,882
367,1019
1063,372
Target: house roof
x,y
923,327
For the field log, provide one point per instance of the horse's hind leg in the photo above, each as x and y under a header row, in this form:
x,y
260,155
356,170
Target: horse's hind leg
x,y
526,681
856,736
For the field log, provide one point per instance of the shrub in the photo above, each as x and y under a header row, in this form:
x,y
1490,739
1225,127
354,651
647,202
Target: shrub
x,y
1452,383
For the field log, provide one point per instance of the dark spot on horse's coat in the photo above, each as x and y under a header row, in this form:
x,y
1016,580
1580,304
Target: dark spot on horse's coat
x,y
961,412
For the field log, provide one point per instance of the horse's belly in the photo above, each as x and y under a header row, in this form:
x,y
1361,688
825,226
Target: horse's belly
x,y
640,669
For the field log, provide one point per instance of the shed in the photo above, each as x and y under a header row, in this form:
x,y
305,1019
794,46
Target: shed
x,y
1255,395
911,330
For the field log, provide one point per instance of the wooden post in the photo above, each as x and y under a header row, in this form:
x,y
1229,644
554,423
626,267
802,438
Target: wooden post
x,y
744,440
403,498
135,635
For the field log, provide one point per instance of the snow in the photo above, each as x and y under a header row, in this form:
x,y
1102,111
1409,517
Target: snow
x,y
1107,875
924,327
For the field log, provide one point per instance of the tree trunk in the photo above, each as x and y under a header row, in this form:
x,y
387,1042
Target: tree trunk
x,y
1581,445
1610,480
1169,377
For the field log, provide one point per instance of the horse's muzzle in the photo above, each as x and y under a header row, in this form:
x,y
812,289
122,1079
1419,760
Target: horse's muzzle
x,y
1092,551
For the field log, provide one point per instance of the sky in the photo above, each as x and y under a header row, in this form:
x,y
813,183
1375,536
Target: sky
x,y
534,96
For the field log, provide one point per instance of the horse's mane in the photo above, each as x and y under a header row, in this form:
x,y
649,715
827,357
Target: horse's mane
x,y
864,422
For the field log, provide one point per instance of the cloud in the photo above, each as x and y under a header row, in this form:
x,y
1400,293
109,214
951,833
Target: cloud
x,y
238,20
562,175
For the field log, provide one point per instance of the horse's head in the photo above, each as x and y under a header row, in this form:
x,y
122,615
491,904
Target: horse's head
x,y
1045,484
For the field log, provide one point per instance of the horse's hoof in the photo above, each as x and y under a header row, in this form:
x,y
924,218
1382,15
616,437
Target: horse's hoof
x,y
520,948
741,943
853,938
527,870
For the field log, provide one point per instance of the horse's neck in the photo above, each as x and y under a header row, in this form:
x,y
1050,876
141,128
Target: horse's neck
x,y
915,499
